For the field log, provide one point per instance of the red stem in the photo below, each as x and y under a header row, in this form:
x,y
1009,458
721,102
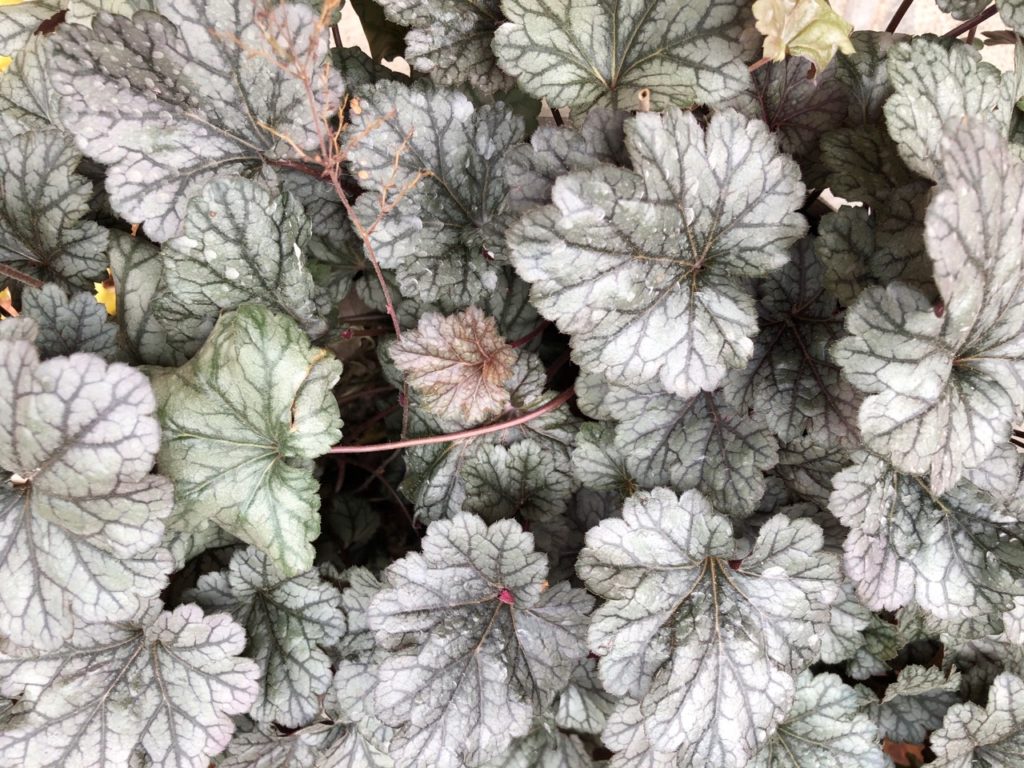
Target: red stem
x,y
898,16
970,24
557,401
21,277
531,335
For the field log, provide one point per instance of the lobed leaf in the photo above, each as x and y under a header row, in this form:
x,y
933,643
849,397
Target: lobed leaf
x,y
43,225
943,390
433,165
580,54
242,422
478,641
239,242
81,517
709,648
286,620
826,728
171,100
165,684
648,270
459,366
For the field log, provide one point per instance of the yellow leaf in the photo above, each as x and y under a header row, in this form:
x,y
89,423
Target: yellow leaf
x,y
106,295
808,28
11,2
6,305
5,61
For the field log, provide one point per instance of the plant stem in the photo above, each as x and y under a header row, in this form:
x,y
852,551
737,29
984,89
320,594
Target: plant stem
x,y
758,64
898,16
21,277
970,24
531,335
557,401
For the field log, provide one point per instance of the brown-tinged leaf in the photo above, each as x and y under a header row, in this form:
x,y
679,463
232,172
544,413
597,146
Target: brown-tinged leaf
x,y
458,365
910,755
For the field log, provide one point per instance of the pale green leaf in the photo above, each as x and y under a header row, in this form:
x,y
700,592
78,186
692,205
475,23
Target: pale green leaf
x,y
242,422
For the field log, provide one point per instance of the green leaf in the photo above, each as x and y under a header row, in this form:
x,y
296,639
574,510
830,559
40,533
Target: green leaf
x,y
791,381
478,641
580,55
66,326
242,422
864,165
937,82
797,103
914,705
27,102
527,480
385,38
285,621
436,162
865,76
700,442
239,242
943,391
956,555
138,270
861,248
710,648
597,462
451,41
532,169
973,737
165,684
825,728
170,101
43,230
648,271
81,517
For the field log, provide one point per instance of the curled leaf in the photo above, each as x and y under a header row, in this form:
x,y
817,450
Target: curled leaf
x,y
807,28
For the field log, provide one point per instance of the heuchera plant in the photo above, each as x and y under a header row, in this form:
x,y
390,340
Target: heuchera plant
x,y
671,429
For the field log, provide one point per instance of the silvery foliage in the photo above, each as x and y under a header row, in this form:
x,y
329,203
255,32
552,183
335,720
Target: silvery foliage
x,y
781,483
